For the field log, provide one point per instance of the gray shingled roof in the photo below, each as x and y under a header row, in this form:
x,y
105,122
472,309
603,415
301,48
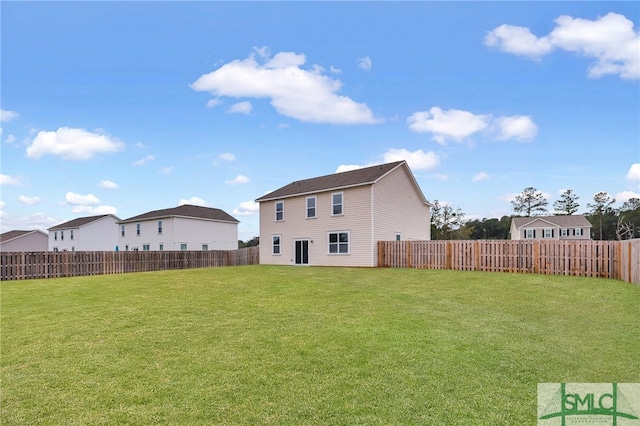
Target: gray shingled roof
x,y
563,221
364,176
185,210
10,235
80,221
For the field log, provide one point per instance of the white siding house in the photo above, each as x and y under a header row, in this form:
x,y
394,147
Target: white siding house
x,y
91,233
337,220
34,240
186,227
568,227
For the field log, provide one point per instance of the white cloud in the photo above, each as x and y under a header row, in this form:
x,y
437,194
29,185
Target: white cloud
x,y
166,170
480,176
81,200
244,107
107,184
365,63
34,221
196,201
348,167
238,180
453,124
6,115
10,139
72,144
306,95
417,160
335,70
213,102
610,40
28,200
9,180
519,127
633,175
623,196
247,208
458,125
89,210
141,162
226,156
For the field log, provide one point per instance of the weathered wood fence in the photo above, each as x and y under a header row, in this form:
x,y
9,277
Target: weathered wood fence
x,y
609,259
30,265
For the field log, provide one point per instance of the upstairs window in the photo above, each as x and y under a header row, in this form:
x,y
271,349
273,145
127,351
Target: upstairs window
x,y
71,236
547,233
55,236
62,235
577,231
564,232
311,207
137,229
336,204
530,233
122,230
159,227
279,211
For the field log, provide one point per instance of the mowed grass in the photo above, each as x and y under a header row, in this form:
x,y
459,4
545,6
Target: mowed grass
x,y
307,346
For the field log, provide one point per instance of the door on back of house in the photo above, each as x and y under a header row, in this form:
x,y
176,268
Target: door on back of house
x,y
302,252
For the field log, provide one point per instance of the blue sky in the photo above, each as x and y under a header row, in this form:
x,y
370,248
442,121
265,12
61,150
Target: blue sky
x,y
126,107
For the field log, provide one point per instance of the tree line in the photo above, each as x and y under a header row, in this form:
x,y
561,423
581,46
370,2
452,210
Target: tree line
x,y
607,222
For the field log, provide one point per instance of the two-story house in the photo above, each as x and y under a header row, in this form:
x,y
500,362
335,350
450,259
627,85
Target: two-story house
x,y
337,219
33,240
186,227
566,227
90,233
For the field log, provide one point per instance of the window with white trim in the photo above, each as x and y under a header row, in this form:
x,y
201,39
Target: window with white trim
x,y
205,247
71,236
122,230
146,247
339,242
279,211
137,229
183,247
62,235
311,207
159,227
161,247
547,233
55,236
564,232
337,204
275,244
398,236
529,233
577,231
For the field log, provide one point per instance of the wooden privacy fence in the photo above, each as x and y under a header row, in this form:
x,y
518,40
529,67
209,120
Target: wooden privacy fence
x,y
30,265
608,259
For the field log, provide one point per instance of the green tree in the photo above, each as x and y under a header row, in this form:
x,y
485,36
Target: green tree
x,y
601,210
445,221
530,202
567,204
628,225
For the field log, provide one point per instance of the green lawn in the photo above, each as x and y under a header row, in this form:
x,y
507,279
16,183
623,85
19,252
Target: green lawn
x,y
306,346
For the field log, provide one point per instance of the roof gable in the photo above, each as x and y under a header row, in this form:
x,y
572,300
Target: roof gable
x,y
185,210
563,221
81,221
12,235
335,181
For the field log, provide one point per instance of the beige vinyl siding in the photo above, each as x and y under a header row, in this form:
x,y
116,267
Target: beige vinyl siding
x,y
295,226
399,208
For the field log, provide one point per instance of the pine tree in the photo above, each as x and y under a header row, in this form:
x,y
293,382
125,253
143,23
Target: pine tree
x,y
567,204
530,202
601,205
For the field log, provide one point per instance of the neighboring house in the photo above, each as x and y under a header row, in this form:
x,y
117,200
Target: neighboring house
x,y
567,227
337,220
34,240
91,233
186,227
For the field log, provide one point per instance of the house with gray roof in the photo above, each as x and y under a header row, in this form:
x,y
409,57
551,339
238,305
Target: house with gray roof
x,y
186,227
337,219
564,227
89,233
33,240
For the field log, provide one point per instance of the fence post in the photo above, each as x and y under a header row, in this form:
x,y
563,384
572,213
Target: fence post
x,y
536,257
408,244
447,251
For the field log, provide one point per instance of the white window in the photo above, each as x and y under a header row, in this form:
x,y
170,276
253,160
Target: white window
x,y
398,236
137,229
548,233
55,236
161,247
311,207
336,204
71,232
205,247
279,211
275,246
122,230
159,227
55,249
183,247
62,235
577,231
146,247
530,233
339,242
564,232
